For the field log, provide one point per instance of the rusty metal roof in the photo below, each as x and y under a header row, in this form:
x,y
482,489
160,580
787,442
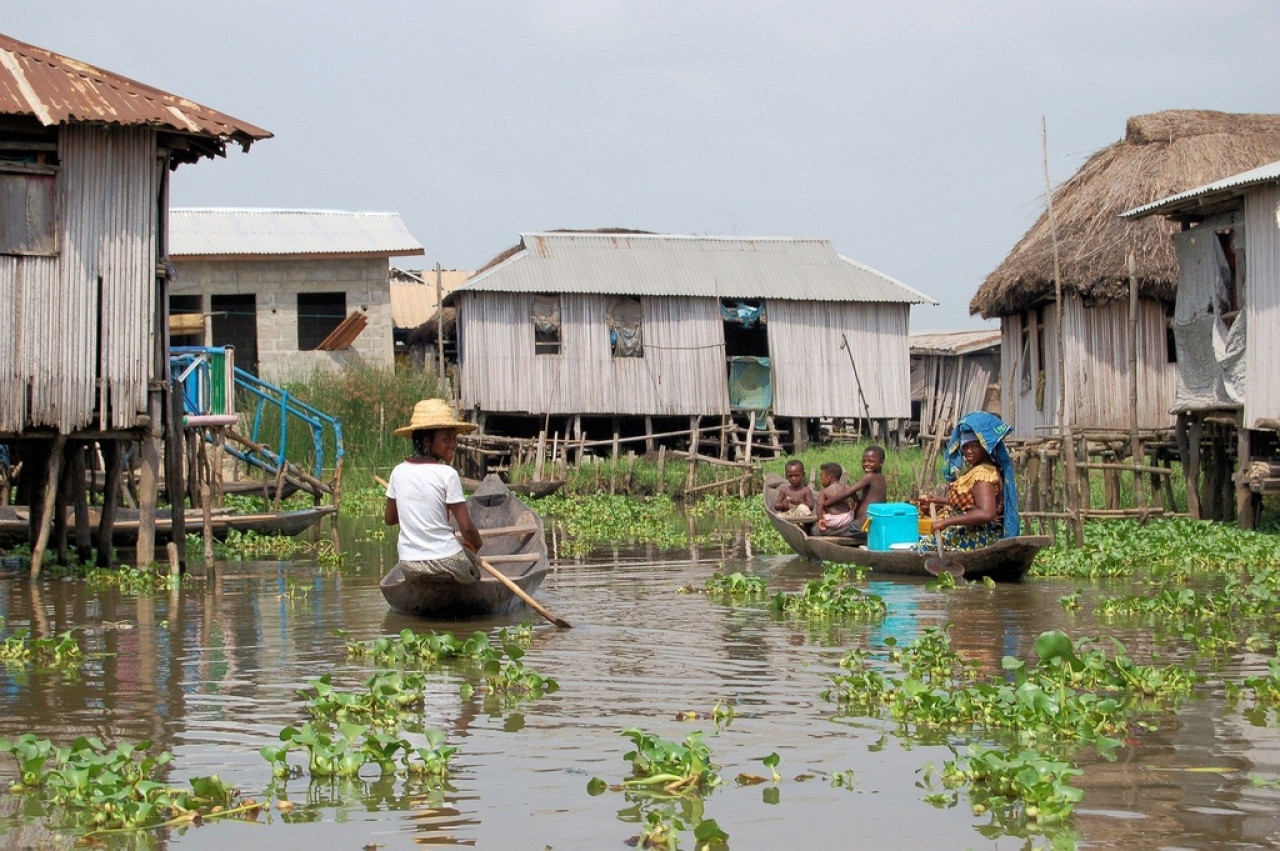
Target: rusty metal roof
x,y
56,89
675,265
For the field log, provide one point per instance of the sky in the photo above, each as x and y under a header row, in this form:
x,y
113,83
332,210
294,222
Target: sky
x,y
909,134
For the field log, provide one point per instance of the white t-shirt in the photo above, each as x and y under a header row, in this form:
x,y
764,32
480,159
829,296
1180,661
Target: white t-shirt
x,y
422,492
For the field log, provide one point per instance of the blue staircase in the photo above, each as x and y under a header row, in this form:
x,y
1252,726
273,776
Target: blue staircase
x,y
211,385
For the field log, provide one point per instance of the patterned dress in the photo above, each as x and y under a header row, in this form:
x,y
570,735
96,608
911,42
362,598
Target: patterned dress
x,y
960,495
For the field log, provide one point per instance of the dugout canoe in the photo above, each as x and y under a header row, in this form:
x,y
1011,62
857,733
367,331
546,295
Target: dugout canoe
x,y
1005,561
124,533
511,540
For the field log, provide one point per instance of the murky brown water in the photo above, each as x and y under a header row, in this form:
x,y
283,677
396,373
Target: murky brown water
x,y
211,673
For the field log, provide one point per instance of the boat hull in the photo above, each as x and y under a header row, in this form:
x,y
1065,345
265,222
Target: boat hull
x,y
124,532
1005,561
512,541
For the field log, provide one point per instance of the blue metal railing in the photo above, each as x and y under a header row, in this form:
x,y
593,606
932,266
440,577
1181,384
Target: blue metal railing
x,y
271,397
210,381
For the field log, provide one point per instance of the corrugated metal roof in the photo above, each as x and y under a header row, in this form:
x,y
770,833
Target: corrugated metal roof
x,y
1193,198
56,89
663,264
226,231
953,342
413,294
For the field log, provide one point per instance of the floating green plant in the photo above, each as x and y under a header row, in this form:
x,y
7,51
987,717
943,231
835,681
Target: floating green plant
x,y
89,787
348,748
1023,790
61,651
737,586
387,697
830,597
1077,694
133,580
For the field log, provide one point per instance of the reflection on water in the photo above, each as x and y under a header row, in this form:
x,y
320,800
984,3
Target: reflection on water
x,y
211,673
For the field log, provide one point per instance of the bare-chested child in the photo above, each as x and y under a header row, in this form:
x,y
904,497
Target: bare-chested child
x,y
867,491
871,488
835,507
795,498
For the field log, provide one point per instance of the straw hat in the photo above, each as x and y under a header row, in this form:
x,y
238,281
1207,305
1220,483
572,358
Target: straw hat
x,y
434,413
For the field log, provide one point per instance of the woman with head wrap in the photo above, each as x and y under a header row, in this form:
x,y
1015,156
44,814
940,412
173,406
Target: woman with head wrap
x,y
981,505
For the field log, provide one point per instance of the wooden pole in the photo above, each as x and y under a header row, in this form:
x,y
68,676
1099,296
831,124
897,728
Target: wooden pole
x,y
439,324
866,409
1064,412
52,472
1245,515
111,476
1135,442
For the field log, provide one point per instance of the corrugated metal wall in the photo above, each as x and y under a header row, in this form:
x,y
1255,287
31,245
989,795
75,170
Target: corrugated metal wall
x,y
1097,369
108,186
1262,293
812,376
682,372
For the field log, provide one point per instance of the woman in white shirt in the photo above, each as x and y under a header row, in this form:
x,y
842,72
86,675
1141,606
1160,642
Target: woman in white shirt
x,y
424,490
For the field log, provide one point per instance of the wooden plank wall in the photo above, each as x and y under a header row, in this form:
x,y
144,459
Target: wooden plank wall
x,y
812,376
94,303
1098,361
1262,288
1020,410
682,372
1097,369
937,377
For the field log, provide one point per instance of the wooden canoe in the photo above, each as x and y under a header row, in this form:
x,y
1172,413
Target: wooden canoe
x,y
13,523
536,489
512,541
1006,561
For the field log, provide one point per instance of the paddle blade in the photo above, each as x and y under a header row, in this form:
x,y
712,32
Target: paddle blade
x,y
938,566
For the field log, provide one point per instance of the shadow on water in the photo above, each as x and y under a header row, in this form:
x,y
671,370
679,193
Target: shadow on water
x,y
211,672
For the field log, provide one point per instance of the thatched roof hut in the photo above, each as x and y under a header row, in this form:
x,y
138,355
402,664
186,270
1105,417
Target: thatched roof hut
x,y
1162,153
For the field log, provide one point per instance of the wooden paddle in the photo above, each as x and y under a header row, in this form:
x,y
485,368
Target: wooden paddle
x,y
941,563
519,592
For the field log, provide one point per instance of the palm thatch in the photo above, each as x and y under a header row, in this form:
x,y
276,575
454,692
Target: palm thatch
x,y
1162,153
428,332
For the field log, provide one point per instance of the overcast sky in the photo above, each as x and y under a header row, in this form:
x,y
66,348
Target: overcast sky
x,y
907,133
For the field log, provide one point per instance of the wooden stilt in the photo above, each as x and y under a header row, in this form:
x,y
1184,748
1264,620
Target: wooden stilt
x,y
110,500
52,472
148,487
1191,464
80,499
1246,517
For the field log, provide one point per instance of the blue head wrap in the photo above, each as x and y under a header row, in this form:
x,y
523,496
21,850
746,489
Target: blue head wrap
x,y
990,431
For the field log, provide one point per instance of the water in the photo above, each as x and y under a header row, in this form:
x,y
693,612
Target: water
x,y
211,673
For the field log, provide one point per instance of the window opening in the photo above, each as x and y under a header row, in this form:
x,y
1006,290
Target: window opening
x,y
318,315
626,330
545,313
745,328
29,200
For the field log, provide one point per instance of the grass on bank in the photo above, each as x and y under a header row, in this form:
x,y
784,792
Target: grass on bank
x,y
371,402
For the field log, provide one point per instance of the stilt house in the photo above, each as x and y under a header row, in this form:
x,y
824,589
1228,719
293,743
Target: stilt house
x,y
952,373
85,158
636,326
1104,347
1226,324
